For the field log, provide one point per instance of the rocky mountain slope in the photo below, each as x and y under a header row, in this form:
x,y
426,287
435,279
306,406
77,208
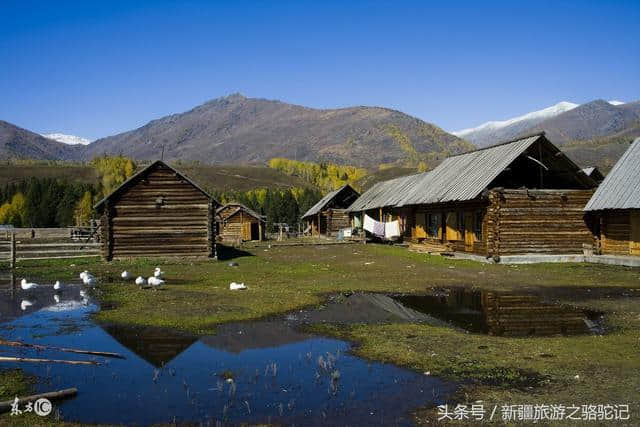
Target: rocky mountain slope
x,y
19,143
236,129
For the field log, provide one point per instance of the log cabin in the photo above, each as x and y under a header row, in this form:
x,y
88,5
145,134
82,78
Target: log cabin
x,y
615,206
518,197
329,215
158,212
237,223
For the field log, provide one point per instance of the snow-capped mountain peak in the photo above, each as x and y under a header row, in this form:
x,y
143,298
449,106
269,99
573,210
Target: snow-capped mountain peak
x,y
68,139
614,102
534,116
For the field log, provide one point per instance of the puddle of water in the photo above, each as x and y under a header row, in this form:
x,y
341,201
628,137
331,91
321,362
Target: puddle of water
x,y
279,375
504,314
478,311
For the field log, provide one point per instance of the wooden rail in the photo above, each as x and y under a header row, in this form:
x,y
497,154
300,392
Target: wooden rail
x,y
13,250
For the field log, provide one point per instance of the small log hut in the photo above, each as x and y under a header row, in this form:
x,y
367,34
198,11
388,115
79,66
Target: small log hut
x,y
158,212
519,197
329,215
616,206
237,223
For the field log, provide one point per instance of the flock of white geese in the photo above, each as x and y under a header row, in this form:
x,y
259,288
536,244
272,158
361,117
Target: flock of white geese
x,y
156,280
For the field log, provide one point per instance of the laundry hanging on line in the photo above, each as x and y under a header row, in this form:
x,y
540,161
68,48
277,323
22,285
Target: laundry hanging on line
x,y
381,229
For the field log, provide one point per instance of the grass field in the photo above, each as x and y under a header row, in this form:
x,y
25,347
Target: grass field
x,y
495,370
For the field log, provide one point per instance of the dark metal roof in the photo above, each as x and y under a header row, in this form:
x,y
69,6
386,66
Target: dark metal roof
x,y
315,209
240,207
458,178
138,175
621,187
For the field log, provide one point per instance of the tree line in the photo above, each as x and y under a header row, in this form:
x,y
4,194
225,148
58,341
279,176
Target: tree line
x,y
53,202
327,176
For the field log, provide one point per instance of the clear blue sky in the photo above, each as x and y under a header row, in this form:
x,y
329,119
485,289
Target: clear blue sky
x,y
95,68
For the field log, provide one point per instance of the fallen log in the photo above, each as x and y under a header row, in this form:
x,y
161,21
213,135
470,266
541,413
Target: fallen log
x,y
53,395
66,350
32,360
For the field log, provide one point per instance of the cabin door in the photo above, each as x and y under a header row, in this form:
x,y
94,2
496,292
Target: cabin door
x,y
634,241
246,231
468,232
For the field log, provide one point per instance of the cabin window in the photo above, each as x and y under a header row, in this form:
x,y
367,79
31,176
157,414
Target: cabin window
x,y
434,225
477,225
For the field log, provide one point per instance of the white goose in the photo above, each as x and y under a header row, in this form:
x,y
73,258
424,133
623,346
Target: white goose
x,y
126,275
89,280
25,304
140,281
57,286
158,273
56,298
155,282
26,285
84,274
237,286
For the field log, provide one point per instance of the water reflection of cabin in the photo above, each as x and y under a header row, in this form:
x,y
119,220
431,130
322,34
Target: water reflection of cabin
x,y
502,314
329,215
616,205
238,223
522,196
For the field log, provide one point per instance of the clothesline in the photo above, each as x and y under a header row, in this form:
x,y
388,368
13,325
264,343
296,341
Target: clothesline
x,y
381,229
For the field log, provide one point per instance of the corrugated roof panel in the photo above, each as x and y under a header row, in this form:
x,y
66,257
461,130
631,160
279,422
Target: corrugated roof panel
x,y
318,206
461,177
621,187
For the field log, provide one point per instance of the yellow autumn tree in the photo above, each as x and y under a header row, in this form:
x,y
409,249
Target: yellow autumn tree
x,y
84,210
14,212
113,171
327,176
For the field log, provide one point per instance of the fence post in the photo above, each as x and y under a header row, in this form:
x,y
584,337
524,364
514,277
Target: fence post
x,y
12,258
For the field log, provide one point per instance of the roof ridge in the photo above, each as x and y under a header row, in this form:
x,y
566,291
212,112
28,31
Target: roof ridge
x,y
511,141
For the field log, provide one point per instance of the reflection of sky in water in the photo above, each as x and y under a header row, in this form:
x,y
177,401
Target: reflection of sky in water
x,y
167,375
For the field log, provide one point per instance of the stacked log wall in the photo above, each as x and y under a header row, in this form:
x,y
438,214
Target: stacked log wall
x,y
162,215
539,221
616,232
337,219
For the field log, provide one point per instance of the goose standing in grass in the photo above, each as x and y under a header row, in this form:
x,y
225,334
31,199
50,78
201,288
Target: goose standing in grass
x,y
57,286
27,286
155,282
140,281
89,280
126,275
237,286
158,273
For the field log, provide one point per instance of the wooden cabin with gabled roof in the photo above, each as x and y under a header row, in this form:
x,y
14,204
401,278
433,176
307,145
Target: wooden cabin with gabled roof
x,y
616,206
158,212
329,215
518,197
237,223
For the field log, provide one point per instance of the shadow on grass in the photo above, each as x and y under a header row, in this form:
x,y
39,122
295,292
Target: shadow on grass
x,y
226,253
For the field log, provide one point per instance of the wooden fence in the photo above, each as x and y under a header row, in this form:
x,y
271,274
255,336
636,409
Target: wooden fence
x,y
14,249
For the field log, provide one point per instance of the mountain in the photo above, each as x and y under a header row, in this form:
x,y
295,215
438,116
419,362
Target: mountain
x,y
236,129
68,139
491,132
592,134
595,119
19,143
